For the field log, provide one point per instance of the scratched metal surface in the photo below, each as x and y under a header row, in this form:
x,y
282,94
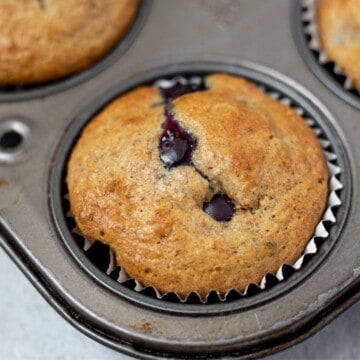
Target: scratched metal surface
x,y
174,32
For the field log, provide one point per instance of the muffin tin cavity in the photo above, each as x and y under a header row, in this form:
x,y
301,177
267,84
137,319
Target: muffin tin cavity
x,y
305,29
9,93
98,260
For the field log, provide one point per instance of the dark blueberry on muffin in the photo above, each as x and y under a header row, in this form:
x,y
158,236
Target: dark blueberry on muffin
x,y
220,207
180,88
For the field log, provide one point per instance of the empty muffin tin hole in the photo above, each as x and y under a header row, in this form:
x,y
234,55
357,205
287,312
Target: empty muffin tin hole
x,y
95,265
10,139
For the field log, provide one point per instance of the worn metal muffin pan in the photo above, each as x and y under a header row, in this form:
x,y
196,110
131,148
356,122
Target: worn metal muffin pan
x,y
197,36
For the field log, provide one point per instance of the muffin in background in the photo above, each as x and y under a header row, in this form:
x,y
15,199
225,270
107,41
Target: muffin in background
x,y
44,40
339,34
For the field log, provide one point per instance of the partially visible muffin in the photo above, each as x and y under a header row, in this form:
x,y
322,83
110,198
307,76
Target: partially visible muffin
x,y
339,32
204,190
43,40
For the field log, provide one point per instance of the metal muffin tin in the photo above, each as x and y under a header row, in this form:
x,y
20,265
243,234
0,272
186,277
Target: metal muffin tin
x,y
245,37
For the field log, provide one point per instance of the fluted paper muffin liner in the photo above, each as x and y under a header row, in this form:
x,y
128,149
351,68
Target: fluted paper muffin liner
x,y
309,16
285,270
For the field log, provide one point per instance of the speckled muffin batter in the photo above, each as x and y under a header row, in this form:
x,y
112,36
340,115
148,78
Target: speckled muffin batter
x,y
339,31
249,147
43,40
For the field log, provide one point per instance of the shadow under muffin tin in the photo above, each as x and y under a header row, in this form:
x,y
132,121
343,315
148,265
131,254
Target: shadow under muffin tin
x,y
220,207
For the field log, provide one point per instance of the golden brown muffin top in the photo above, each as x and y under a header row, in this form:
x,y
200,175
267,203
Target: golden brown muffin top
x,y
48,39
339,31
250,147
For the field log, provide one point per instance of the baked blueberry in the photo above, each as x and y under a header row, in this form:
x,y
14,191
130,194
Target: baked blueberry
x,y
176,145
220,208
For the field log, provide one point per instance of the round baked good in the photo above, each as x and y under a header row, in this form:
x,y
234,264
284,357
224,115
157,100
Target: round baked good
x,y
339,32
243,198
42,40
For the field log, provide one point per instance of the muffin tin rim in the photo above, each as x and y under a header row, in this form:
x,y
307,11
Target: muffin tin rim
x,y
242,68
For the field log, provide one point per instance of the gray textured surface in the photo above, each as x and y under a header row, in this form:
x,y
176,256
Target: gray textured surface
x,y
31,330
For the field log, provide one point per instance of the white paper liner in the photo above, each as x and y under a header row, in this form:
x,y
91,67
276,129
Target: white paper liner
x,y
311,248
309,15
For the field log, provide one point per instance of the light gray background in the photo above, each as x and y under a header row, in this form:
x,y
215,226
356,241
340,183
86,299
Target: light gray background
x,y
30,329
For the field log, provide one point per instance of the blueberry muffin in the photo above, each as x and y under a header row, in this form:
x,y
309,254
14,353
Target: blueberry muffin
x,y
198,187
43,40
339,32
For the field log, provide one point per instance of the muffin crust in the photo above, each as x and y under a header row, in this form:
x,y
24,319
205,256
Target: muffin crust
x,y
339,31
49,39
252,148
